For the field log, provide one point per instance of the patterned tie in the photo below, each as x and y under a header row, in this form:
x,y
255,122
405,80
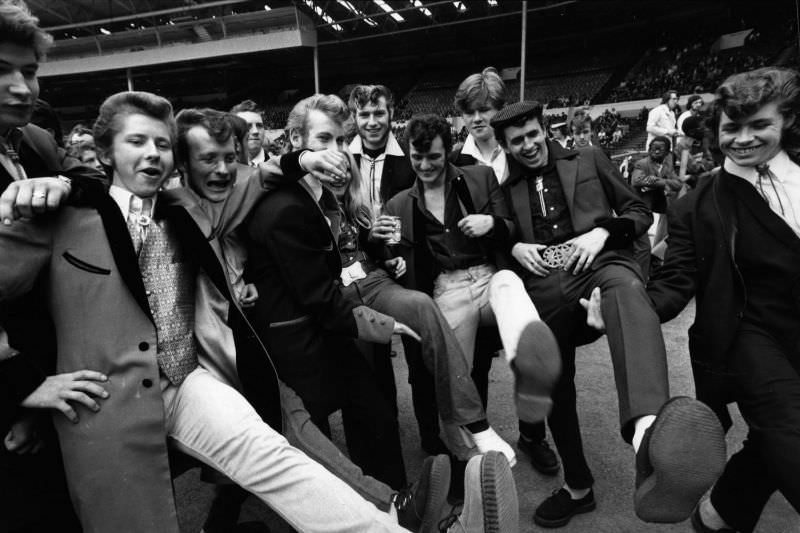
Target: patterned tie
x,y
138,220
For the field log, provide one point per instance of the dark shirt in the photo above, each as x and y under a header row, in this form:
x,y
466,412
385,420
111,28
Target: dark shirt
x,y
451,249
554,225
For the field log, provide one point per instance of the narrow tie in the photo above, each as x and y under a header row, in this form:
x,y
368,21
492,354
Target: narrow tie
x,y
138,220
765,173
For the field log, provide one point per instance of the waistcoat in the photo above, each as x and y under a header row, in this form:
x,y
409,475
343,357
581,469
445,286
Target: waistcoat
x,y
169,282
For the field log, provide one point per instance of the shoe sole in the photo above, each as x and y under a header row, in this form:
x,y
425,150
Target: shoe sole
x,y
499,495
535,373
687,453
438,487
544,522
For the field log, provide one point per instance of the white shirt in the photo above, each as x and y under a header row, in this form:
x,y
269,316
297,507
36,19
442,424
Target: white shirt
x,y
372,169
123,199
497,160
686,114
786,177
259,158
660,121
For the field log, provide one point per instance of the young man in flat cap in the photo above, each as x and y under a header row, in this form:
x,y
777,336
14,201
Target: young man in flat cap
x,y
575,221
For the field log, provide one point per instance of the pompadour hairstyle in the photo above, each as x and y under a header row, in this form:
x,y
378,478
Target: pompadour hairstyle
x,y
362,95
19,26
744,94
330,104
486,87
120,105
247,105
423,129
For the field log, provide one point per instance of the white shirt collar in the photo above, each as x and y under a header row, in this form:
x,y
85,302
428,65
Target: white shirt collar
x,y
123,199
781,166
259,158
471,148
392,146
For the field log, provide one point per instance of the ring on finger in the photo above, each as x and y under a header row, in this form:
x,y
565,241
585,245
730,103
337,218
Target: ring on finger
x,y
39,194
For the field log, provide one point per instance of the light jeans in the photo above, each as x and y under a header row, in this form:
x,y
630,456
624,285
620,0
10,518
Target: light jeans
x,y
481,296
213,423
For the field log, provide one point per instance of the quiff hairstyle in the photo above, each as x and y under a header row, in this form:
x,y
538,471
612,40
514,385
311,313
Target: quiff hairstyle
x,y
742,95
423,129
120,105
247,105
476,90
20,27
362,95
330,104
219,126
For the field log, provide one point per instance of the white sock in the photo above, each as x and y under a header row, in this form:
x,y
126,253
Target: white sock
x,y
576,494
710,516
640,426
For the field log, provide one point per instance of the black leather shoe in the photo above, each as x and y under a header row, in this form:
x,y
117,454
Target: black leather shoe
x,y
700,527
543,458
559,508
421,506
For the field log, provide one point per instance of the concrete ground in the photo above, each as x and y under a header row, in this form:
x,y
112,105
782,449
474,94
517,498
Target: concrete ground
x,y
611,459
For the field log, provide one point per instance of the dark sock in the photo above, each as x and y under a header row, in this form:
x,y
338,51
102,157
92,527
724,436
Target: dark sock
x,y
477,427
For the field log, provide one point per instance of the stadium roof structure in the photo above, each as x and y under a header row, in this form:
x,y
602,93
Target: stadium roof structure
x,y
337,19
217,52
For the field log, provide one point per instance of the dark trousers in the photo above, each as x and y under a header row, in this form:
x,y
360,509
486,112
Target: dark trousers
x,y
635,342
766,386
34,489
329,373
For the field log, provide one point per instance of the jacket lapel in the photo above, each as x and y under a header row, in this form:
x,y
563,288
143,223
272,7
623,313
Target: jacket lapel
x,y
724,202
764,214
386,177
521,199
119,240
567,170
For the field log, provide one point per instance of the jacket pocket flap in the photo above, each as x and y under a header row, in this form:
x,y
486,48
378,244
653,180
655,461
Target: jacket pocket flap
x,y
83,265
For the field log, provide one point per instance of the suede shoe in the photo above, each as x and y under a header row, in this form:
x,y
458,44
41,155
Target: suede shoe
x,y
543,458
421,506
559,508
682,454
700,527
490,499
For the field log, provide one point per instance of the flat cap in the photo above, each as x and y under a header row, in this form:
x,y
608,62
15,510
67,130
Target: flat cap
x,y
513,112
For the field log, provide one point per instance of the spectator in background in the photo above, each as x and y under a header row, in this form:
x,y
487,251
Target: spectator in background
x,y
86,153
661,120
79,133
693,105
654,178
561,135
692,155
254,115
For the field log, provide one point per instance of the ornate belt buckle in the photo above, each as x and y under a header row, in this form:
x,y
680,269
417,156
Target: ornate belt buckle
x,y
556,256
